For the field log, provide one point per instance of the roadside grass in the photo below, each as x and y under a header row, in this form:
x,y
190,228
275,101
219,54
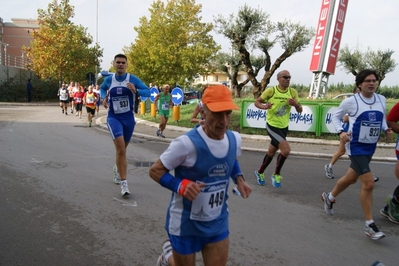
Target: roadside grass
x,y
187,110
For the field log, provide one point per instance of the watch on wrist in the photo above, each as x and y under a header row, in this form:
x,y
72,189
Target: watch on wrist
x,y
340,131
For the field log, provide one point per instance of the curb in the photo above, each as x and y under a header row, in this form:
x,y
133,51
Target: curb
x,y
255,138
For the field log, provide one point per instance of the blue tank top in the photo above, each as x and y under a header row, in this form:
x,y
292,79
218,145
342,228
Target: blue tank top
x,y
367,126
121,99
207,215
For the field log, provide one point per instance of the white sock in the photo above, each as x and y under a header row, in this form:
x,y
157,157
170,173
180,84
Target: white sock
x,y
368,222
331,197
123,182
330,165
167,255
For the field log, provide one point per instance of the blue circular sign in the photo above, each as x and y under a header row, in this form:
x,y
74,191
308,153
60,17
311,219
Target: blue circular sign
x,y
154,92
177,95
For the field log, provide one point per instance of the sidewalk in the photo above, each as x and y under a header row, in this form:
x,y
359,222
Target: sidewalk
x,y
318,148
299,146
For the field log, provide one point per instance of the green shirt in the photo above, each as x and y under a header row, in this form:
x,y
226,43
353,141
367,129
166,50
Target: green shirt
x,y
163,102
279,114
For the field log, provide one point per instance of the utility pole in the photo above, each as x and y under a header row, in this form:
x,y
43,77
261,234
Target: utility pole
x,y
96,71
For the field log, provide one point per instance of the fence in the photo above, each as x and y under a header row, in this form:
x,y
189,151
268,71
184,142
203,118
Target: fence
x,y
315,117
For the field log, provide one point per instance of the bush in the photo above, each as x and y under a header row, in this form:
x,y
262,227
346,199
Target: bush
x,y
13,90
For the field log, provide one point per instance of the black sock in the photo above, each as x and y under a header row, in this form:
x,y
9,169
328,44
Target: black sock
x,y
280,162
266,161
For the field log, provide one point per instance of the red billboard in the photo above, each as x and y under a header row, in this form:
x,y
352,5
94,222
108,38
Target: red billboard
x,y
321,35
334,39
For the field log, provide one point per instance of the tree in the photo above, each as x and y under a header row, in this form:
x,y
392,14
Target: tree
x,y
60,49
252,29
173,45
353,62
231,65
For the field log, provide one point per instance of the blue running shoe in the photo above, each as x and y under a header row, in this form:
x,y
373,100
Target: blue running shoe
x,y
260,178
276,180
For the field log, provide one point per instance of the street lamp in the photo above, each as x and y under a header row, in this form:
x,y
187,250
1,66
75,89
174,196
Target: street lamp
x,y
5,53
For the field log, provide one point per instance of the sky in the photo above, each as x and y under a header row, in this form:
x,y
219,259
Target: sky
x,y
367,25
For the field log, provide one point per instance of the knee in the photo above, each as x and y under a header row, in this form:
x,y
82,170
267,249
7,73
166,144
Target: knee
x,y
121,151
285,150
368,185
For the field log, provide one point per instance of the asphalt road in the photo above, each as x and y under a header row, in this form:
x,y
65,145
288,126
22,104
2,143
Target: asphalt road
x,y
59,206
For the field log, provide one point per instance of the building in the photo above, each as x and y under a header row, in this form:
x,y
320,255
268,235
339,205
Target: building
x,y
219,77
13,36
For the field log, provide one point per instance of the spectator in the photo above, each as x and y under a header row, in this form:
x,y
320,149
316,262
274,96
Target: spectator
x,y
29,89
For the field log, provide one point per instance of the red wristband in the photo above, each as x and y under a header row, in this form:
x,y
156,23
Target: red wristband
x,y
182,187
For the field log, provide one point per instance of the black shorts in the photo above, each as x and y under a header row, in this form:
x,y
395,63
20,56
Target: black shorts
x,y
277,135
360,163
78,106
64,101
91,110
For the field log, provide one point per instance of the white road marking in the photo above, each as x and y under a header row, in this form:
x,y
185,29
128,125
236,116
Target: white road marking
x,y
134,204
35,161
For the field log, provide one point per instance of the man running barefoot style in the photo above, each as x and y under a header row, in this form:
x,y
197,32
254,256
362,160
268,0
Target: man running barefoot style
x,y
118,91
366,112
278,100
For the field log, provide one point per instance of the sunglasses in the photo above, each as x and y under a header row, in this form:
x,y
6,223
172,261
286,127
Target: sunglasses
x,y
120,62
286,77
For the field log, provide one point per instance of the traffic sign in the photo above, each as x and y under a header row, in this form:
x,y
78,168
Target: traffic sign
x,y
177,95
153,93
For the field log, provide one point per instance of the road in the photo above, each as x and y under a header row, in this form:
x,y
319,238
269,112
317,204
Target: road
x,y
59,205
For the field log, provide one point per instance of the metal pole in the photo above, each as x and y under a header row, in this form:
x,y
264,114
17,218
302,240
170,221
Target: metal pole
x,y
96,71
5,53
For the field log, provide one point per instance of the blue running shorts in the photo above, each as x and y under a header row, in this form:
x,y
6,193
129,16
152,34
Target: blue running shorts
x,y
121,127
186,245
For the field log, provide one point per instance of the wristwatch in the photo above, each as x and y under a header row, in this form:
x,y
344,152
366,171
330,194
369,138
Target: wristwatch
x,y
340,131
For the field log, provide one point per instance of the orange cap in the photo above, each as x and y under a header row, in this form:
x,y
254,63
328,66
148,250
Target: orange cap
x,y
218,99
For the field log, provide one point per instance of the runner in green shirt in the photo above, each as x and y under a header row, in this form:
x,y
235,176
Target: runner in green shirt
x,y
163,102
278,101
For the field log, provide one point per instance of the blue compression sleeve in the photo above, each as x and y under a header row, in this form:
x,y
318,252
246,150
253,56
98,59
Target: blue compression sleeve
x,y
170,182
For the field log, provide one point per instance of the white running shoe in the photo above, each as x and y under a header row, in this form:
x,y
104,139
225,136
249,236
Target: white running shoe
x,y
124,189
166,249
329,171
373,232
328,204
117,178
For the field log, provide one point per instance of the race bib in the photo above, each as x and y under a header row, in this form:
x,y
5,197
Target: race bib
x,y
165,106
369,132
207,206
120,104
78,100
90,99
